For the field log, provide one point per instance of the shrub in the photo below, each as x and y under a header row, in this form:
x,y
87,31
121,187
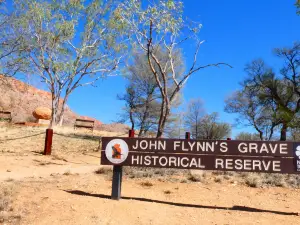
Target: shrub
x,y
253,180
167,192
194,177
7,194
103,170
146,184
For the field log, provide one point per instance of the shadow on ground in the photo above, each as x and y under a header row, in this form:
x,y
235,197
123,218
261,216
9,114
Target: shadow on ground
x,y
233,208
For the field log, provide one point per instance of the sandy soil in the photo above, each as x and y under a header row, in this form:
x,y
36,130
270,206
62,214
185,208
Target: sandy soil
x,y
85,199
63,189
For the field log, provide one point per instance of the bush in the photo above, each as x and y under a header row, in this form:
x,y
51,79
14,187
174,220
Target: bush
x,y
7,194
253,180
194,177
146,184
140,172
104,170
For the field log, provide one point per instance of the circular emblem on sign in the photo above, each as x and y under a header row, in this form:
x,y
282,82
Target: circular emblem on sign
x,y
298,151
116,151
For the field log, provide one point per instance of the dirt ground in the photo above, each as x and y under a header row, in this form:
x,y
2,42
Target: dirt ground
x,y
64,189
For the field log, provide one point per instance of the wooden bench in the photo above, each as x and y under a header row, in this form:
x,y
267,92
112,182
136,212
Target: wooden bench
x,y
5,116
81,123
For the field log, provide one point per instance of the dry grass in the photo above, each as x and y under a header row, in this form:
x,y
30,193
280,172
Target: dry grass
x,y
257,180
146,184
196,177
187,176
67,173
167,192
7,212
141,172
19,140
104,170
22,140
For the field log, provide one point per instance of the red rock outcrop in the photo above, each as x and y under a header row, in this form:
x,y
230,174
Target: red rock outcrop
x,y
22,99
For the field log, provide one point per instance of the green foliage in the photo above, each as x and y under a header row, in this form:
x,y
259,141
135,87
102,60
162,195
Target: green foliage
x,y
66,43
209,128
269,100
156,25
165,15
245,136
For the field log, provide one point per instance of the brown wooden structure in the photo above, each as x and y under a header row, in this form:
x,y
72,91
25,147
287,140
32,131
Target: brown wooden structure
x,y
5,116
224,155
219,155
82,123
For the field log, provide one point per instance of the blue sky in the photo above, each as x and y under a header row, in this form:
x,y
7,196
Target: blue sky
x,y
235,32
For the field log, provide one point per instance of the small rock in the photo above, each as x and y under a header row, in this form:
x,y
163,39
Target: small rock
x,y
8,170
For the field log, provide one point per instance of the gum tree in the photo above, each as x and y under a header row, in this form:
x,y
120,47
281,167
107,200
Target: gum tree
x,y
269,98
161,25
193,116
142,97
11,48
68,44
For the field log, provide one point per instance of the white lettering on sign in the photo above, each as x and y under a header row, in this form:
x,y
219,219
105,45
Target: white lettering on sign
x,y
223,147
191,146
248,164
163,161
149,145
212,147
283,148
269,148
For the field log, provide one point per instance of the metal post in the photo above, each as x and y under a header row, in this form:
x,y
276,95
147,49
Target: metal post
x,y
228,139
187,135
117,177
48,142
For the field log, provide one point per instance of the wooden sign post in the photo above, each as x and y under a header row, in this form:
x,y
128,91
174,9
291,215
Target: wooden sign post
x,y
223,155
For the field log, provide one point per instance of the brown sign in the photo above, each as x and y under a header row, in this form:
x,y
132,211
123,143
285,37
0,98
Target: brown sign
x,y
251,156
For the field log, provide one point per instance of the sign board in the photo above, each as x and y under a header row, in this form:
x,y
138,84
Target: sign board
x,y
248,156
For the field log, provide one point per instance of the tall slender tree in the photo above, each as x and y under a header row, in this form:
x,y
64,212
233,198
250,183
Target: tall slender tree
x,y
142,97
68,44
161,25
193,116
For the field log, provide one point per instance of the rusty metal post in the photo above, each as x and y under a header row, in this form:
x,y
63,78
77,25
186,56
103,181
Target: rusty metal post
x,y
48,142
117,177
228,139
187,135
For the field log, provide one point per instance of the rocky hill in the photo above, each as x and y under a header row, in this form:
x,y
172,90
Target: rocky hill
x,y
22,99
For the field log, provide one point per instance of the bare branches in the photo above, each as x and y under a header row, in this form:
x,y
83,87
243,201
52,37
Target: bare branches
x,y
161,26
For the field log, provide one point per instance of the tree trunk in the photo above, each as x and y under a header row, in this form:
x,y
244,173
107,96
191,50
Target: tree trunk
x,y
283,132
131,119
160,122
261,136
62,111
61,120
159,133
162,125
53,111
145,116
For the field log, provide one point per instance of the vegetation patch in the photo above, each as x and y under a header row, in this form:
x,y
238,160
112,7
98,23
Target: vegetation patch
x,y
104,170
7,211
146,184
